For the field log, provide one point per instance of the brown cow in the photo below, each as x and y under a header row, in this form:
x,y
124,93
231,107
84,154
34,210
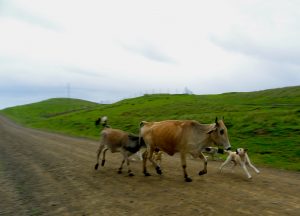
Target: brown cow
x,y
186,136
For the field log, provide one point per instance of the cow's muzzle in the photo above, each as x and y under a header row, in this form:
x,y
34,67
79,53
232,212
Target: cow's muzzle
x,y
220,151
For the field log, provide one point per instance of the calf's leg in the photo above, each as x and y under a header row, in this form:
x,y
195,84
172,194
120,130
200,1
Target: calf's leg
x,y
98,155
234,163
225,162
250,164
246,170
130,173
103,158
126,158
121,167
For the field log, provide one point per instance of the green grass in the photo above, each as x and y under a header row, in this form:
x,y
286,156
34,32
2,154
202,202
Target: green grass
x,y
266,122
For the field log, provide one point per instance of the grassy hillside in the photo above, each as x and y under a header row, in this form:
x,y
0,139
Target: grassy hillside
x,y
34,113
266,122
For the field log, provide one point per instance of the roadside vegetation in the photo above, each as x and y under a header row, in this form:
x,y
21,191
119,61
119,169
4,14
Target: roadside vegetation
x,y
266,122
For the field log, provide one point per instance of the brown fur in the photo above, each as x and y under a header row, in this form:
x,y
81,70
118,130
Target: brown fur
x,y
114,137
186,136
118,141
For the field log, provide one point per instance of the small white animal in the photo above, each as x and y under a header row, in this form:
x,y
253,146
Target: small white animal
x,y
240,157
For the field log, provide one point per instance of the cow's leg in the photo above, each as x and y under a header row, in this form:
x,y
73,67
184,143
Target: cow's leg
x,y
98,155
150,157
183,164
103,158
157,157
250,164
204,171
145,157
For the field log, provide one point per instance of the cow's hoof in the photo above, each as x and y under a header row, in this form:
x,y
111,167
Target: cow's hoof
x,y
119,171
188,179
202,172
96,166
103,162
147,174
158,170
130,174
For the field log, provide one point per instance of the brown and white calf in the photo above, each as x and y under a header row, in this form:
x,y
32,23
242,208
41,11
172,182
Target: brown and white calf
x,y
240,157
118,141
185,136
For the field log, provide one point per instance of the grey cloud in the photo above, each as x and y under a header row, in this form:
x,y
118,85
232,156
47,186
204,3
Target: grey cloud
x,y
150,52
81,71
247,46
8,9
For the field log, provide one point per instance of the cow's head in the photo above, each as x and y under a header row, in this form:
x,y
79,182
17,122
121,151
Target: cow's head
x,y
219,134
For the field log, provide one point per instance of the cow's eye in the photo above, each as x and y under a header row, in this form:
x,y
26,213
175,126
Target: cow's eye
x,y
222,131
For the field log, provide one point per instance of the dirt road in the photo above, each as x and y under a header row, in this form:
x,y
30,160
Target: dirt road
x,y
49,174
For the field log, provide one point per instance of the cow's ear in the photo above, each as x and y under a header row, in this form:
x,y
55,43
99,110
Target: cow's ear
x,y
245,150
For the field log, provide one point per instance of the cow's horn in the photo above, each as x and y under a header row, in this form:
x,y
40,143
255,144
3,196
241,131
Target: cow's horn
x,y
216,121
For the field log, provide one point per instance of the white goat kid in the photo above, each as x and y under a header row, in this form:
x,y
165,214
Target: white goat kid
x,y
240,157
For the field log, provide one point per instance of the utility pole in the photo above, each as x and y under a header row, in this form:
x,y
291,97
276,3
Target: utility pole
x,y
68,90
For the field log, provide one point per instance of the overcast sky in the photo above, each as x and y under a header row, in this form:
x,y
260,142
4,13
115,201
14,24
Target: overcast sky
x,y
110,50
